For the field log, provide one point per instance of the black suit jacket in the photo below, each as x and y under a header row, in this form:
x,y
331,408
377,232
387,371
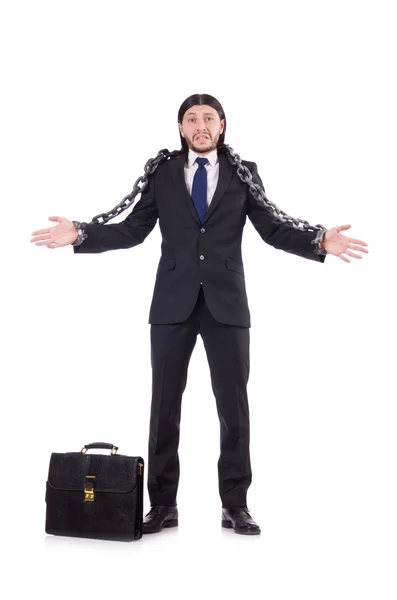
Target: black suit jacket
x,y
193,253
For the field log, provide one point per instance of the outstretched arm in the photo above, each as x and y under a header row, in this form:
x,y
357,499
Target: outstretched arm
x,y
126,234
130,232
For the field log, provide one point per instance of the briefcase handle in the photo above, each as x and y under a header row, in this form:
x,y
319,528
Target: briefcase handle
x,y
101,445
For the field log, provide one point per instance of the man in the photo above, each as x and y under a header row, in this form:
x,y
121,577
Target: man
x,y
202,203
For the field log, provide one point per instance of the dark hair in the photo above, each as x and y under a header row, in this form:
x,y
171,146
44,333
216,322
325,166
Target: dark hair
x,y
196,100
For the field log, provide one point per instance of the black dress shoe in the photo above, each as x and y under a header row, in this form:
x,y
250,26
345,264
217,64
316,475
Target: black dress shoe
x,y
159,517
239,519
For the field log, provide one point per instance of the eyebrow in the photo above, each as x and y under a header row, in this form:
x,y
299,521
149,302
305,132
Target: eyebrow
x,y
207,113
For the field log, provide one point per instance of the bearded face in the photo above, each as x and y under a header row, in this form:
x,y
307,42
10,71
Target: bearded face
x,y
201,127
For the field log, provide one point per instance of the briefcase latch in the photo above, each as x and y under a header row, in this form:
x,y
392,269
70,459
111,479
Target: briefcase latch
x,y
89,494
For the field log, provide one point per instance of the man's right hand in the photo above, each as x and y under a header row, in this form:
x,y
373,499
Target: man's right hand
x,y
55,237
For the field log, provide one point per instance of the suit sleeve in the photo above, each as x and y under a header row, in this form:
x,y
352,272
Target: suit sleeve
x,y
275,232
126,234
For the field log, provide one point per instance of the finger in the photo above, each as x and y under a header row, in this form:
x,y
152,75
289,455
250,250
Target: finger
x,y
358,242
41,237
344,258
43,243
40,231
55,219
353,247
342,227
353,254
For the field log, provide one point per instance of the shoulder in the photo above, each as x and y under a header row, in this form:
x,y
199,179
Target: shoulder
x,y
165,166
248,163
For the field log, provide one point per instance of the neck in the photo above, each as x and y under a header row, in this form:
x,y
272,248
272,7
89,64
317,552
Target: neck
x,y
203,153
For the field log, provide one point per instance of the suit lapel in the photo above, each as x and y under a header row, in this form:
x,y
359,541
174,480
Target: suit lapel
x,y
178,174
225,175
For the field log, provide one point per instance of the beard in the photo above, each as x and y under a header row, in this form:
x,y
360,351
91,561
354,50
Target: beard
x,y
212,144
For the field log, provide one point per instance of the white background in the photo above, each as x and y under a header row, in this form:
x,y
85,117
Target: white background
x,y
91,91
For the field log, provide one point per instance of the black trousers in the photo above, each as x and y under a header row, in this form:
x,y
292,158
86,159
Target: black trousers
x,y
227,349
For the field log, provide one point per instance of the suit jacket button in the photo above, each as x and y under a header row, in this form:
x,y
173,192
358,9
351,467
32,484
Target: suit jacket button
x,y
201,257
202,230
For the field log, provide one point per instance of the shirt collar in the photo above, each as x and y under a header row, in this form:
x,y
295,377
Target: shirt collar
x,y
212,157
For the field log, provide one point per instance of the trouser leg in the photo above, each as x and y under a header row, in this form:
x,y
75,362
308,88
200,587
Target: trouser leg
x,y
227,349
171,350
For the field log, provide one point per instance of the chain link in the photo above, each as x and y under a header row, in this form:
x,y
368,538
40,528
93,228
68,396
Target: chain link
x,y
243,172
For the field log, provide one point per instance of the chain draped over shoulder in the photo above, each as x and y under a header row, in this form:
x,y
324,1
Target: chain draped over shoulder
x,y
244,174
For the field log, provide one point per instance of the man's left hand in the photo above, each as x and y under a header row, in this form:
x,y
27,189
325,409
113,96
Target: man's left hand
x,y
337,244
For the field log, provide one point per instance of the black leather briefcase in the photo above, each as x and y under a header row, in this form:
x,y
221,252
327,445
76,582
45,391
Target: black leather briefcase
x,y
95,495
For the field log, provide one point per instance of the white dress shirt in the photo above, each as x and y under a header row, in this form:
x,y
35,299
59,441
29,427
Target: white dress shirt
x,y
212,168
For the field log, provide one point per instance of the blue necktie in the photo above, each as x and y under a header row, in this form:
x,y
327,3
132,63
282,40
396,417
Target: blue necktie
x,y
199,188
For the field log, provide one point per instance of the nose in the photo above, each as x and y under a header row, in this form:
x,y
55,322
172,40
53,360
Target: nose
x,y
201,127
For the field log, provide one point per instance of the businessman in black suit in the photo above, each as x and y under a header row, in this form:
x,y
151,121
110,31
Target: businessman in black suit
x,y
201,204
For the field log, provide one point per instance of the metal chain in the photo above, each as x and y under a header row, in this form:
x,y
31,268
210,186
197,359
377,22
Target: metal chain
x,y
259,193
243,172
126,202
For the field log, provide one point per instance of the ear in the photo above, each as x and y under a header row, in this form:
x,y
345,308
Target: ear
x,y
180,129
222,125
